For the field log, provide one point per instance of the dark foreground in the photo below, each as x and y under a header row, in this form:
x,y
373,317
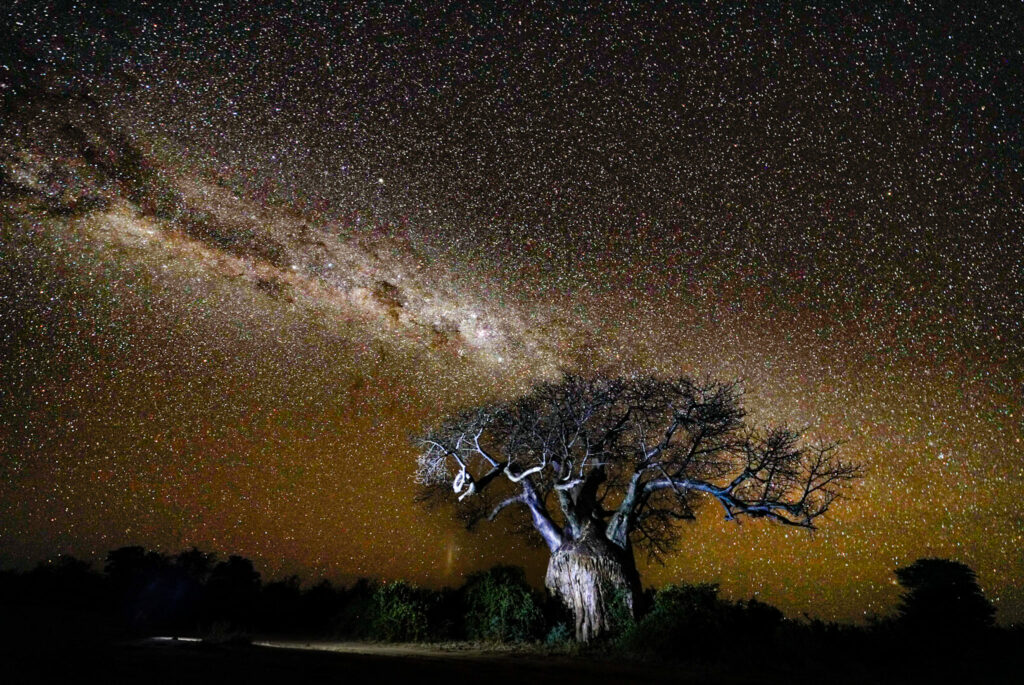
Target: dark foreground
x,y
166,660
177,662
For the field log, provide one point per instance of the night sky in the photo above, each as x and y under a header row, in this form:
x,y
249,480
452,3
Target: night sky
x,y
826,204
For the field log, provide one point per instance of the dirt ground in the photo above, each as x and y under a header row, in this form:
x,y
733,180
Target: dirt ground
x,y
92,659
156,661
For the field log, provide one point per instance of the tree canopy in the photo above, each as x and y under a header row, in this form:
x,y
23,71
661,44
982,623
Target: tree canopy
x,y
602,465
941,594
630,455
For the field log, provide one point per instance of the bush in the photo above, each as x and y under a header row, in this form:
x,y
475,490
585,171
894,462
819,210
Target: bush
x,y
400,613
692,622
619,613
559,636
501,606
354,616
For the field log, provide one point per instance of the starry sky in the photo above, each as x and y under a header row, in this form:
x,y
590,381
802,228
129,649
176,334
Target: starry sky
x,y
416,209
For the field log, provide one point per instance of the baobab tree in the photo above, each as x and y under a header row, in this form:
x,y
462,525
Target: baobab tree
x,y
602,466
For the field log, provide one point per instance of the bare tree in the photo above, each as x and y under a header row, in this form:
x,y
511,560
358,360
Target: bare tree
x,y
600,466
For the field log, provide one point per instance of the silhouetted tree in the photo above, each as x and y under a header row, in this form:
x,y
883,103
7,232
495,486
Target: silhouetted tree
x,y
128,567
196,565
66,579
942,595
233,590
598,465
320,605
191,570
142,582
280,605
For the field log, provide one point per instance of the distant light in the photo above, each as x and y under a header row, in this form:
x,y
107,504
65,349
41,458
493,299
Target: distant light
x,y
164,638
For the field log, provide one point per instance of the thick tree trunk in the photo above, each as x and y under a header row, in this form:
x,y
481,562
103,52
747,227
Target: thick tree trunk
x,y
590,574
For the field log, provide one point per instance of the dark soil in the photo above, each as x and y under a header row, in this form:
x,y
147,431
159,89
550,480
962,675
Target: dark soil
x,y
178,662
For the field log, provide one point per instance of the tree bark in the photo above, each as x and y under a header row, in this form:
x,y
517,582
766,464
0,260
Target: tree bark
x,y
590,574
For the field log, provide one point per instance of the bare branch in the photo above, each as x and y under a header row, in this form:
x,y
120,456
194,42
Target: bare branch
x,y
518,499
524,474
631,455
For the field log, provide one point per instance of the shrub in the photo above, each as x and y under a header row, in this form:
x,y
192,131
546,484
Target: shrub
x,y
692,622
501,606
619,614
354,616
400,613
559,636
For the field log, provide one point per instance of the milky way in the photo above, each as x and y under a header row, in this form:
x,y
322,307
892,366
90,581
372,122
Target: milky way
x,y
415,211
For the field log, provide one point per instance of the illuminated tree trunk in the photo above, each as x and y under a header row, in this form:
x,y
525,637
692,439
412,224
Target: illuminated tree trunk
x,y
591,575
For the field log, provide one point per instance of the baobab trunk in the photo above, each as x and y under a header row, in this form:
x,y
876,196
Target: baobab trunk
x,y
591,575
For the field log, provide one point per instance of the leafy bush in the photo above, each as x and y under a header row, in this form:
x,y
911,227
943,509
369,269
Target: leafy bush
x,y
692,622
354,617
560,635
619,614
400,613
501,606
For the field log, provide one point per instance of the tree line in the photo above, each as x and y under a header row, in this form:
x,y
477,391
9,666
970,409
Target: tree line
x,y
140,592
